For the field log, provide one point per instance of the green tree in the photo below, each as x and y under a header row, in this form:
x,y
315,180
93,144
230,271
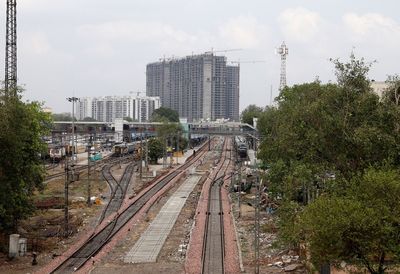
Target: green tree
x,y
360,228
168,134
21,170
330,129
317,139
164,114
392,94
353,75
169,130
250,112
156,149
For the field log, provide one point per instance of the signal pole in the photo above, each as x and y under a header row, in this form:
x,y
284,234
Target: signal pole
x,y
11,49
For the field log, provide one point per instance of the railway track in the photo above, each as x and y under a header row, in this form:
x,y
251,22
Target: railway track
x,y
118,189
214,245
77,168
51,166
94,244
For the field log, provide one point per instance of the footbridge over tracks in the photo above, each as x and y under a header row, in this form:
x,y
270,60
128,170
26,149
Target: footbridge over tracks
x,y
227,129
121,130
117,131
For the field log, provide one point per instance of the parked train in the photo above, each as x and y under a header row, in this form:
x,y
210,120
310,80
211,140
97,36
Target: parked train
x,y
197,139
95,156
241,146
57,153
126,148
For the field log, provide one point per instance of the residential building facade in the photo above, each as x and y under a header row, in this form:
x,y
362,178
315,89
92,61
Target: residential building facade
x,y
109,108
379,87
198,87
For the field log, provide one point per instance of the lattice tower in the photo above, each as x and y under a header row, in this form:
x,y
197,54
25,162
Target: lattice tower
x,y
11,49
283,51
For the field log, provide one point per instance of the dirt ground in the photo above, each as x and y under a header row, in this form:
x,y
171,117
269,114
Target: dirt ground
x,y
271,260
45,229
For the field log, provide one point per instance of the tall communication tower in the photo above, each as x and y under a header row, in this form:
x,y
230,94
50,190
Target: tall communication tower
x,y
11,49
283,51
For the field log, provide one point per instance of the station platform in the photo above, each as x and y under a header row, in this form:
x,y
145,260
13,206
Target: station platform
x,y
152,240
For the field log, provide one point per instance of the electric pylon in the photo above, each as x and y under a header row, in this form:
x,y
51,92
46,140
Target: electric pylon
x,y
11,49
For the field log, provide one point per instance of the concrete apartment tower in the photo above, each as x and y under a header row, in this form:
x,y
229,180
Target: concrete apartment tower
x,y
198,87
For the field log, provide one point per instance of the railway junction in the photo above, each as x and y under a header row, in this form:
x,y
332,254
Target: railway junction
x,y
192,217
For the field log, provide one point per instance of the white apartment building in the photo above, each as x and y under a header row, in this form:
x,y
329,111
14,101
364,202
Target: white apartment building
x,y
108,108
379,87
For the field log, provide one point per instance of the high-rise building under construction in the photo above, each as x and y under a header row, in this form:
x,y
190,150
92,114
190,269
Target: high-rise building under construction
x,y
198,87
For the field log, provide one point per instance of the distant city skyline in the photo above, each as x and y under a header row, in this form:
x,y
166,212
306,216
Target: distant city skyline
x,y
95,47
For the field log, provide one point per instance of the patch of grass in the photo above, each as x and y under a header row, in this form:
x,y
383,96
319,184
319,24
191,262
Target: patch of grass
x,y
269,227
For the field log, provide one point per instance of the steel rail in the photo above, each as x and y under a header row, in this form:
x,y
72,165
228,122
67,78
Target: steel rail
x,y
96,242
118,192
103,161
214,240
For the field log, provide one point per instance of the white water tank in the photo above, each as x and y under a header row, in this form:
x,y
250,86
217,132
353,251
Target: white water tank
x,y
14,246
23,246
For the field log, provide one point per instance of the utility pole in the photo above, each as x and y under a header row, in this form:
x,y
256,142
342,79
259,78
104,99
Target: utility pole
x,y
171,158
88,177
120,158
11,49
177,147
257,227
146,160
240,187
73,100
141,153
165,153
66,183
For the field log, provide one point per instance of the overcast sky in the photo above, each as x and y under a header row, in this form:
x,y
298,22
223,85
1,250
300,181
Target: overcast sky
x,y
99,47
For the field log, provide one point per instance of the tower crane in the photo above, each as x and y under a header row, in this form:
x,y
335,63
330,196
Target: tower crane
x,y
248,62
223,50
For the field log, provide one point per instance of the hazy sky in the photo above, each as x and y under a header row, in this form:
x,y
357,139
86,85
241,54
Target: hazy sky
x,y
98,47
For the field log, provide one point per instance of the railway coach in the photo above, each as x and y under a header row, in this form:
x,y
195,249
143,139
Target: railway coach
x,y
241,146
125,148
